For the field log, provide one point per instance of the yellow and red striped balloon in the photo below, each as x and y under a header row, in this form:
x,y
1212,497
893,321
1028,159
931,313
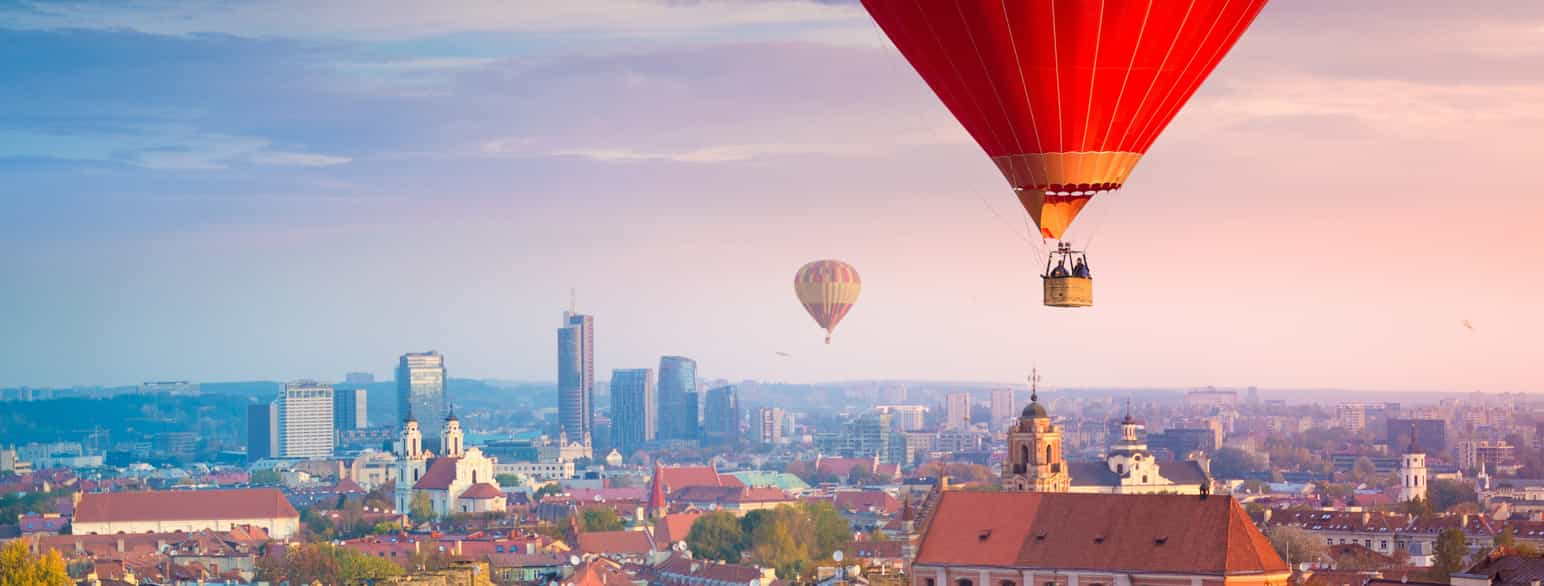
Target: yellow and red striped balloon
x,y
828,289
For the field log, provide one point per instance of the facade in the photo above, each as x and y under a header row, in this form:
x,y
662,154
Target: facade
x,y
348,409
957,411
633,410
868,436
421,379
906,417
769,425
721,416
186,511
1044,539
1035,462
458,480
262,431
576,375
1002,407
1490,453
677,398
359,378
1351,416
305,420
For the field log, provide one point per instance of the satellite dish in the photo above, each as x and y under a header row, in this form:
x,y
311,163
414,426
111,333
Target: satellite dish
x,y
597,498
1302,566
837,555
573,560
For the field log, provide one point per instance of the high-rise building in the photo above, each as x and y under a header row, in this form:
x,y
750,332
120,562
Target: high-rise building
x,y
359,378
421,382
576,376
769,425
957,411
633,410
262,431
305,420
905,417
348,409
868,436
677,398
721,416
1002,407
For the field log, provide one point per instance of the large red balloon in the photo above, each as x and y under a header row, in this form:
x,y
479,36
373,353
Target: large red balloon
x,y
1064,95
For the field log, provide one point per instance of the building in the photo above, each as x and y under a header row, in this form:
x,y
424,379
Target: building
x,y
170,387
348,409
905,417
1034,462
957,411
1211,398
1002,407
868,436
458,480
1491,453
576,375
1032,539
186,511
677,398
358,378
305,420
769,425
262,431
721,416
421,379
1351,416
633,410
1430,434
1412,472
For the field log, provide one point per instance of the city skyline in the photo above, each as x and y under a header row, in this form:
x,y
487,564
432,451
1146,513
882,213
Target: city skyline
x,y
1298,213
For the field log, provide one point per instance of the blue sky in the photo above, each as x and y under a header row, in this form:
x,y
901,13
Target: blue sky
x,y
280,189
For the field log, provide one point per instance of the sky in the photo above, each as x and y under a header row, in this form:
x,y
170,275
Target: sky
x,y
279,189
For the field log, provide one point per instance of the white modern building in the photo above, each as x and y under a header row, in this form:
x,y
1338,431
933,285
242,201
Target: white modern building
x,y
305,420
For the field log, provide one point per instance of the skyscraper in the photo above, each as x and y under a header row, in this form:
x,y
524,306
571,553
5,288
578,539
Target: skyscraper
x,y
421,393
576,376
305,420
262,431
957,411
348,409
633,410
721,416
769,425
677,398
1002,407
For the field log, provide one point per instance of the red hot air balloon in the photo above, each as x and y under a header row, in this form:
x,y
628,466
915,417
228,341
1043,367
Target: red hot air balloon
x,y
827,289
1065,96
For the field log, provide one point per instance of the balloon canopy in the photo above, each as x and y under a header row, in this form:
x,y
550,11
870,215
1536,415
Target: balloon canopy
x,y
1065,96
827,289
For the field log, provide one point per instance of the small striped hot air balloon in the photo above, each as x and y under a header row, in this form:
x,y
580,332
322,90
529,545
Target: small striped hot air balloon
x,y
828,289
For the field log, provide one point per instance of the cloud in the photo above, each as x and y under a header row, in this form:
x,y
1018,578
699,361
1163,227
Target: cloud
x,y
401,19
717,154
297,159
160,147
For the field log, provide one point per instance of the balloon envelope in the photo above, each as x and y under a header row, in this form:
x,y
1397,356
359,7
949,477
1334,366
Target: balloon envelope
x,y
827,289
1065,96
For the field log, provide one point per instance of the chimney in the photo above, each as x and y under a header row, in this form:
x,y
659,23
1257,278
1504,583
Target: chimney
x,y
120,545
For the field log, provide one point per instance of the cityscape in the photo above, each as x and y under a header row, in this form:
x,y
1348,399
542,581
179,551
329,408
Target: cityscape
x,y
498,293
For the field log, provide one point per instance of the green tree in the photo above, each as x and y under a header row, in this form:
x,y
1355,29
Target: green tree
x,y
1363,470
831,530
1234,463
421,509
545,490
1419,507
600,519
717,536
323,562
1296,545
1446,494
776,547
1448,555
18,567
507,480
265,478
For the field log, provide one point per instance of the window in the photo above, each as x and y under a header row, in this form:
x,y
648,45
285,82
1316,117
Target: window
x,y
1048,452
964,582
474,477
1120,468
929,582
1007,583
1024,451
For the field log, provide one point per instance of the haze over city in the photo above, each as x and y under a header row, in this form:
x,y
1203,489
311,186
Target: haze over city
x,y
213,192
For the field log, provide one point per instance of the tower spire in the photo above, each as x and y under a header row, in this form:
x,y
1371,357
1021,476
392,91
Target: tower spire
x,y
1034,385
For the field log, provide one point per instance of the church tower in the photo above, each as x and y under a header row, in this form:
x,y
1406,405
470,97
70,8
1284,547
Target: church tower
x,y
451,438
412,462
1412,472
1035,461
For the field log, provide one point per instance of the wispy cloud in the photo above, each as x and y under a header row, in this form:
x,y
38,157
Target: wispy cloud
x,y
166,148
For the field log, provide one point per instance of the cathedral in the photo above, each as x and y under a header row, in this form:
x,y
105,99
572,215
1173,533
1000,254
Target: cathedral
x,y
460,480
1035,462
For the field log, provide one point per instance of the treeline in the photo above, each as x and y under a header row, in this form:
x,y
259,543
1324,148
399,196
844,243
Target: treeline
x,y
791,539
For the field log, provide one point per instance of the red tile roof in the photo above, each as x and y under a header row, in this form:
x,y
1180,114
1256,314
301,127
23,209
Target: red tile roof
x,y
482,490
248,503
673,527
1147,533
703,495
615,542
441,472
867,500
678,477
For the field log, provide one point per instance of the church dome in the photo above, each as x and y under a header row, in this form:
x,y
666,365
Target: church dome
x,y
1034,410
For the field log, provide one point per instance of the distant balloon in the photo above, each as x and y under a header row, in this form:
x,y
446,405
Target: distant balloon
x,y
1468,325
784,354
827,289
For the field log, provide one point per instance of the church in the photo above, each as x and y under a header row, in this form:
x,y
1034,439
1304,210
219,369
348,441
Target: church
x,y
460,480
1035,462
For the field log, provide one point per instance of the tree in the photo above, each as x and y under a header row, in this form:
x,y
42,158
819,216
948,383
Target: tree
x,y
1296,545
1448,555
421,509
600,519
507,480
832,531
18,567
545,490
325,563
1445,494
265,478
1419,507
1234,463
775,547
717,536
1363,470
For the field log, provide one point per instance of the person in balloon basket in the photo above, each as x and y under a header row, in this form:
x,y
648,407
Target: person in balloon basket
x,y
1060,271
1080,269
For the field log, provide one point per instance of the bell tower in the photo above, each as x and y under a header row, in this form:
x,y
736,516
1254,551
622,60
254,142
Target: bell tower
x,y
1035,461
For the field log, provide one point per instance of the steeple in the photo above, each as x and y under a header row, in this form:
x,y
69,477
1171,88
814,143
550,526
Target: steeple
x,y
451,437
1034,409
1035,462
657,491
